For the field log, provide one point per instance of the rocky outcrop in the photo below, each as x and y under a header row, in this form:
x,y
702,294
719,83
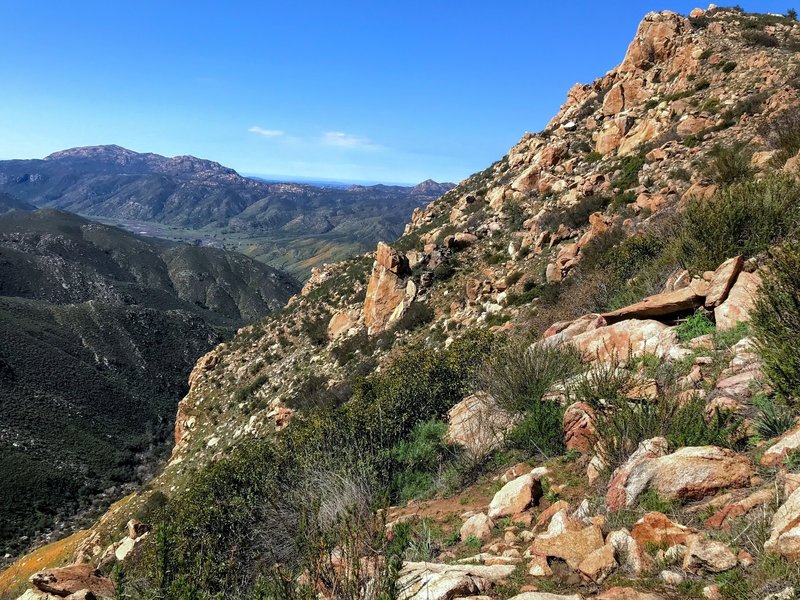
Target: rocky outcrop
x,y
740,302
661,305
784,538
388,290
627,339
70,580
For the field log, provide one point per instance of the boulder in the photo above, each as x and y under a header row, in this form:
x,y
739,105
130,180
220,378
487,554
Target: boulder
x,y
616,496
660,305
723,517
656,528
627,339
656,40
69,580
693,125
628,552
517,495
708,556
478,526
341,323
691,472
599,564
785,535
722,280
777,452
571,546
478,424
387,290
740,301
564,331
436,581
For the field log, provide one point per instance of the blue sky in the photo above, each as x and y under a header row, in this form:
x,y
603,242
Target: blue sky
x,y
346,90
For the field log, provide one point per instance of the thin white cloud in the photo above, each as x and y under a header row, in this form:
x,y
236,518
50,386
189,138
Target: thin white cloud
x,y
266,132
346,140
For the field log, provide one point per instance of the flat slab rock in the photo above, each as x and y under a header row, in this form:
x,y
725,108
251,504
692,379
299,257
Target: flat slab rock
x,y
69,580
438,581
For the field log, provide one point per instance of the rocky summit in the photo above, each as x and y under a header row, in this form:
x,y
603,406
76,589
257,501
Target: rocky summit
x,y
575,375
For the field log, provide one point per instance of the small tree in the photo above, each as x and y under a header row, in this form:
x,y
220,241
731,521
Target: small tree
x,y
792,14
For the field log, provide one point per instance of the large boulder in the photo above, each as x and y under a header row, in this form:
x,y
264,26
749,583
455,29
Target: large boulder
x,y
70,580
478,526
517,495
785,536
722,281
627,339
656,40
660,305
436,581
570,545
387,290
692,472
478,424
616,496
740,302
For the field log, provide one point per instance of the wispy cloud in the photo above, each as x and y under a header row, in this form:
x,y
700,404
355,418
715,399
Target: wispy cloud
x,y
266,132
346,140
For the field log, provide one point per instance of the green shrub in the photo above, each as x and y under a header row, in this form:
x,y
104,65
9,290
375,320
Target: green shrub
x,y
745,218
760,38
417,315
517,375
783,133
420,459
629,166
593,157
772,418
540,431
695,326
776,321
574,216
728,164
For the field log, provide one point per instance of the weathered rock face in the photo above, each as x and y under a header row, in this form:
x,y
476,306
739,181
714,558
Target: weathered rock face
x,y
692,472
627,339
708,556
571,546
69,580
775,454
785,536
740,302
722,280
478,424
387,289
579,430
617,495
478,526
341,323
654,41
655,528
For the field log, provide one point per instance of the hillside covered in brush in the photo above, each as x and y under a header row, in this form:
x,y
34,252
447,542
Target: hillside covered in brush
x,y
575,375
288,225
100,330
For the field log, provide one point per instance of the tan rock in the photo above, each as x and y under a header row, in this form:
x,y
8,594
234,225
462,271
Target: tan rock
x,y
516,496
623,593
538,567
708,556
692,125
544,519
692,472
732,510
386,291
571,546
627,339
564,331
478,424
659,305
478,526
656,40
599,564
657,529
69,580
722,281
436,581
340,324
740,302
544,596
785,535
777,452
628,552
616,496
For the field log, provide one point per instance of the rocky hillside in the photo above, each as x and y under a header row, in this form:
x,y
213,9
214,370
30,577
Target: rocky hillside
x,y
573,376
288,225
100,330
